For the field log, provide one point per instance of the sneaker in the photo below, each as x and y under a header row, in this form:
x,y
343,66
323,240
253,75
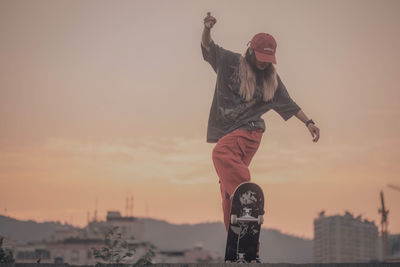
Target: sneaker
x,y
257,260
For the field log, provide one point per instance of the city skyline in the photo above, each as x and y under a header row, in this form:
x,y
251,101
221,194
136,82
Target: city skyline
x,y
104,100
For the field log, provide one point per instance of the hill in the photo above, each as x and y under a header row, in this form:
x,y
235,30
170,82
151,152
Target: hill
x,y
28,231
275,246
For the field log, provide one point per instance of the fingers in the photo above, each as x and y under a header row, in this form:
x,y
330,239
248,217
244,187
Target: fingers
x,y
316,134
209,20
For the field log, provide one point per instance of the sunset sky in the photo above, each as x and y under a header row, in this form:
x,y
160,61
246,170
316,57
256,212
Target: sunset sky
x,y
105,99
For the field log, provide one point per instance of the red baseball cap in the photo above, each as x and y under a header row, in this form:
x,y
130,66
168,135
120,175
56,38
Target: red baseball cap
x,y
264,46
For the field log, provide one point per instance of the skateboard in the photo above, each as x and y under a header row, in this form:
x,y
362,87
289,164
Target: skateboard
x,y
245,223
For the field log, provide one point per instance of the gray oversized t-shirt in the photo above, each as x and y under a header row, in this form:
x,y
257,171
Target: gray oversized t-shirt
x,y
229,111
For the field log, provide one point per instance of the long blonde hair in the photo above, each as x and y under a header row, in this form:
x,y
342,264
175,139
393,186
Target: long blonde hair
x,y
248,81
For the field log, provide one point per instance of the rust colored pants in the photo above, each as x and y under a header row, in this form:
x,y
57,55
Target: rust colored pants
x,y
232,156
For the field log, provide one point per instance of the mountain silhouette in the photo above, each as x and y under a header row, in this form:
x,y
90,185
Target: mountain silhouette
x,y
275,246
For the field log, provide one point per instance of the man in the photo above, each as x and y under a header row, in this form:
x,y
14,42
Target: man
x,y
247,86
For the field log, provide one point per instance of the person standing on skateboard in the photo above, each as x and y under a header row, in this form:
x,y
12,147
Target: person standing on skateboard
x,y
247,87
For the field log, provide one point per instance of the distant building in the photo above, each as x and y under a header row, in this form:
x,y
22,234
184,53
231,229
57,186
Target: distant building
x,y
32,253
344,239
62,233
8,243
74,251
394,248
129,227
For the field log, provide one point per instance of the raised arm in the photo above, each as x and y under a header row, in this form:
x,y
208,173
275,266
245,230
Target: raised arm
x,y
209,22
286,107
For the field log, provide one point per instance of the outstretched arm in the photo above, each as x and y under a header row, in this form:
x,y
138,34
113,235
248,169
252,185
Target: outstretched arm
x,y
209,22
314,130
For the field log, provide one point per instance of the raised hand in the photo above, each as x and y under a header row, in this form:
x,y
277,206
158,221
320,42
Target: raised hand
x,y
314,130
209,21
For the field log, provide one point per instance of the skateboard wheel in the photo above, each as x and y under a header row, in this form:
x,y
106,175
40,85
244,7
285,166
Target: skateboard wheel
x,y
233,219
260,219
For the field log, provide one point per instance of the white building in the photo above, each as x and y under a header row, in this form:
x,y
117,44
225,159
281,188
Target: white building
x,y
74,251
344,239
32,253
130,227
64,233
394,248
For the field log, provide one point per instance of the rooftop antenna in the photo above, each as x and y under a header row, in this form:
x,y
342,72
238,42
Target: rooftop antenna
x,y
95,212
126,206
131,206
395,187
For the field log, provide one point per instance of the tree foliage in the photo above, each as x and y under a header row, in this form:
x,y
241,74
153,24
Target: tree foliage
x,y
119,251
6,255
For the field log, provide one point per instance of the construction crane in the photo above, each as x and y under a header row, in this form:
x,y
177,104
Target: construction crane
x,y
395,187
384,228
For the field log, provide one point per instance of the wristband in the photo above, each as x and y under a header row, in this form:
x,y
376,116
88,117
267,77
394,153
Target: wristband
x,y
309,121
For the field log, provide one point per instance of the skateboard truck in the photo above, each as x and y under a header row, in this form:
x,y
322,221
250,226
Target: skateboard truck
x,y
246,217
235,219
241,258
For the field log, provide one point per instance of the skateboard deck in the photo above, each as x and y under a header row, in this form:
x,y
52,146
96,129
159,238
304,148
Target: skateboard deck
x,y
245,223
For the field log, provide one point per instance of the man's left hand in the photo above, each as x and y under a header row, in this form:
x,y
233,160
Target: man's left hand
x,y
314,130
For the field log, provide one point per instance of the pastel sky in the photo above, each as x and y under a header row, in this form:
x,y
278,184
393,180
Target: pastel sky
x,y
105,99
